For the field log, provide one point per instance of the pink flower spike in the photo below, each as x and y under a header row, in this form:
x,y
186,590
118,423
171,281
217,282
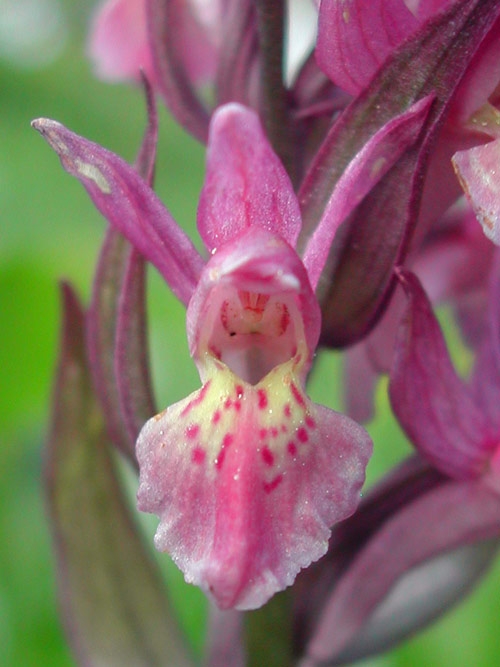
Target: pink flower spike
x,y
354,38
246,184
478,170
246,474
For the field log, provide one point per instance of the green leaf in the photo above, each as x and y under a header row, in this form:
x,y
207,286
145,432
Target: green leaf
x,y
114,606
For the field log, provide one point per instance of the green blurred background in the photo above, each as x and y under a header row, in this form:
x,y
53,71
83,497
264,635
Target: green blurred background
x,y
49,231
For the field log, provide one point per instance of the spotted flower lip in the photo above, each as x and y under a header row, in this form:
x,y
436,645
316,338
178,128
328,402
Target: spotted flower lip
x,y
246,474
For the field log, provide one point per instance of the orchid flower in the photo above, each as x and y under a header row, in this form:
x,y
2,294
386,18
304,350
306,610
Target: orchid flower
x,y
119,44
246,474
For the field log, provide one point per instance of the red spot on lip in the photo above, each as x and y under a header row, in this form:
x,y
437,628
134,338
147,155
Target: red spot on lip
x,y
267,456
192,431
198,455
262,433
220,459
310,422
299,399
292,448
302,435
216,417
287,410
270,486
197,400
228,403
227,440
239,391
262,399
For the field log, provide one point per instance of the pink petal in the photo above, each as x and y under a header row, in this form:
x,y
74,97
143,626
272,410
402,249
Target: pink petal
x,y
477,170
364,171
118,42
246,185
247,481
254,307
433,404
355,38
129,205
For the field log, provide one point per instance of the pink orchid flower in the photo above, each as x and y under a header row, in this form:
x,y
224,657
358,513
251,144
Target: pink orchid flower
x,y
120,48
246,474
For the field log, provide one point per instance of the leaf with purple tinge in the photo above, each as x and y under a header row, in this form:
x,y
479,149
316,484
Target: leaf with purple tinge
x,y
101,324
421,560
114,606
367,168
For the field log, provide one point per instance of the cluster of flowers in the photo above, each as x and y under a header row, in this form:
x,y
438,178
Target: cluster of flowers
x,y
332,215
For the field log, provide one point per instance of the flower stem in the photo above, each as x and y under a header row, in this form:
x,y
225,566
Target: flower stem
x,y
269,633
274,104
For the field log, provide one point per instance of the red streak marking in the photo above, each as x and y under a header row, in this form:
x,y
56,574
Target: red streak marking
x,y
287,410
262,433
292,448
267,456
310,422
262,396
216,417
274,432
302,435
270,486
196,401
285,321
227,440
192,431
220,459
198,455
299,399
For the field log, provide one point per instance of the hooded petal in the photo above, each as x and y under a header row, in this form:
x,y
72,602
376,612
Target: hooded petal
x,y
247,481
129,205
246,185
254,307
